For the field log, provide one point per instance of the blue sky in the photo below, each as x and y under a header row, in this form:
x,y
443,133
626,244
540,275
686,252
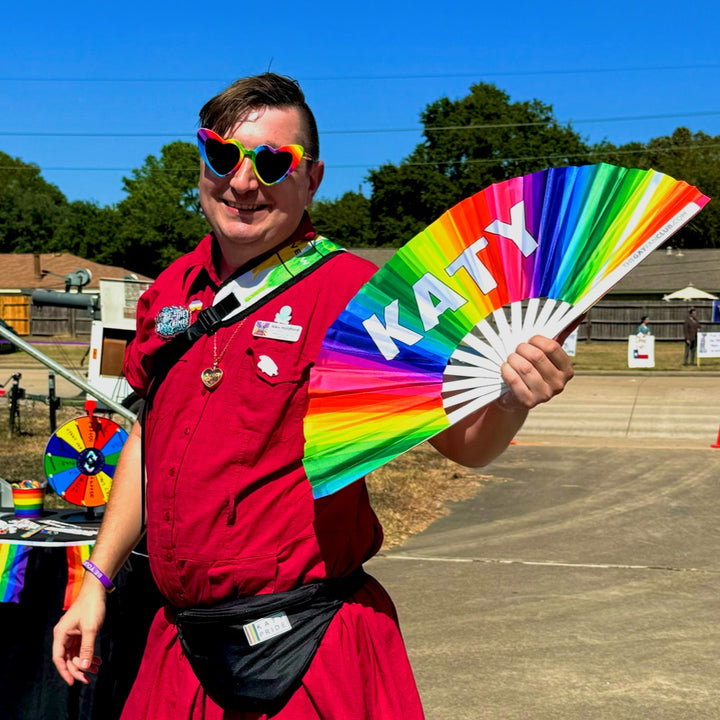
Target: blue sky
x,y
133,75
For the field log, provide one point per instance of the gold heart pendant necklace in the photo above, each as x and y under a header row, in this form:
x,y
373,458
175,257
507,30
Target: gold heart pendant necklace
x,y
211,377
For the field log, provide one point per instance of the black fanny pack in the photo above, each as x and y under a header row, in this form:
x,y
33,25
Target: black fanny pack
x,y
251,654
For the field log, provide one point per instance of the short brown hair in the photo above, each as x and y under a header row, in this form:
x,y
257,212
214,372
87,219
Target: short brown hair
x,y
224,110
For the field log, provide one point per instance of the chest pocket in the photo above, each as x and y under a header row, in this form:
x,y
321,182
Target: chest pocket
x,y
271,392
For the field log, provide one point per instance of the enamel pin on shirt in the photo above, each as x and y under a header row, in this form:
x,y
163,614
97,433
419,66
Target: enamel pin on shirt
x,y
267,365
280,328
171,321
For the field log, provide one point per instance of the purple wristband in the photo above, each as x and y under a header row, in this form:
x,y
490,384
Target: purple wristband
x,y
99,574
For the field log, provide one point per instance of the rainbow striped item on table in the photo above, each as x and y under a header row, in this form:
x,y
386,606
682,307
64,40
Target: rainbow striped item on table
x,y
28,499
420,346
76,555
13,563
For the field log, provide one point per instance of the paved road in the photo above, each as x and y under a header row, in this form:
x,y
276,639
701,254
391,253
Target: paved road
x,y
35,381
679,407
34,375
584,581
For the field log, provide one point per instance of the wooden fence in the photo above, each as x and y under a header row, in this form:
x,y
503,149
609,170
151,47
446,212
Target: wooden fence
x,y
44,321
15,311
51,321
616,319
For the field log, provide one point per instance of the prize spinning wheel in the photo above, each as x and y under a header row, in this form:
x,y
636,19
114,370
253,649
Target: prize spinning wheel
x,y
81,457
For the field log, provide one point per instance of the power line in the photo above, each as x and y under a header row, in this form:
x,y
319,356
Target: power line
x,y
418,128
67,169
483,161
556,156
513,73
38,134
490,126
365,78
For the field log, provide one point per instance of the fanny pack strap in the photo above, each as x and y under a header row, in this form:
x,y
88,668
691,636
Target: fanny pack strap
x,y
324,590
251,654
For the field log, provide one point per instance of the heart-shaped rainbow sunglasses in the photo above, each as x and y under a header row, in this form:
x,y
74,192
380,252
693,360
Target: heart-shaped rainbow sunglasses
x,y
271,165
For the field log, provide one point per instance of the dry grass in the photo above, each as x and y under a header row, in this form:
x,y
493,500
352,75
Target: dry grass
x,y
414,490
612,357
72,356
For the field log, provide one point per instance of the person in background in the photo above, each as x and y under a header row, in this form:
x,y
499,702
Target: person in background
x,y
690,330
230,511
643,327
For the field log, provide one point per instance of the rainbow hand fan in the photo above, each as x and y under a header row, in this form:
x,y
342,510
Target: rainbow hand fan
x,y
420,345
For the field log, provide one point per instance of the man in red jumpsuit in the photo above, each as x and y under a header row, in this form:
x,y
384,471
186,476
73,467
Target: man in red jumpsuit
x,y
230,511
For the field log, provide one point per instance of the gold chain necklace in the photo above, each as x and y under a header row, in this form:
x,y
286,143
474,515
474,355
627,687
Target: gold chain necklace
x,y
211,377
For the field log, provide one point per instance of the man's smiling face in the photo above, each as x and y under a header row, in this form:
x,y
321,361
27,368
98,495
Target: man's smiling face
x,y
248,217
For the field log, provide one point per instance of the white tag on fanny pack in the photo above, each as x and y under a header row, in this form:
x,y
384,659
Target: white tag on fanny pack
x,y
266,628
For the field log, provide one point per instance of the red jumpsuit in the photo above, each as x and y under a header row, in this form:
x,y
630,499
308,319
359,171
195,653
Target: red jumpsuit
x,y
230,510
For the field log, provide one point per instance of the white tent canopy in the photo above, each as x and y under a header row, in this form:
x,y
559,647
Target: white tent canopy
x,y
690,293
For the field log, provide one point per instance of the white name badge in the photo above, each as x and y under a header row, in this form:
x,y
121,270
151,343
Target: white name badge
x,y
266,628
277,331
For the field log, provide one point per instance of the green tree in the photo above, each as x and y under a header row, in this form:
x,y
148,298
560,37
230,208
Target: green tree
x,y
160,219
692,157
406,198
468,144
346,220
89,231
484,138
30,207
